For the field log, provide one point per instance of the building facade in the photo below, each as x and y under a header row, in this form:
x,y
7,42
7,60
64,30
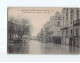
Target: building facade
x,y
70,27
51,30
55,27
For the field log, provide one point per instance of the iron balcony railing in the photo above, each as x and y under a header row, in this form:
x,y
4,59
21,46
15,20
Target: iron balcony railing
x,y
64,27
76,22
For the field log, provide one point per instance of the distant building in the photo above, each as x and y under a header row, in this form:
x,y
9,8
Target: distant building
x,y
71,26
51,30
55,32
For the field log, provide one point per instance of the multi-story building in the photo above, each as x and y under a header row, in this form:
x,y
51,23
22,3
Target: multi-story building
x,y
55,31
51,30
76,27
70,27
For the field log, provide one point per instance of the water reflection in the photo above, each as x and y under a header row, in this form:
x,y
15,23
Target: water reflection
x,y
36,47
74,50
18,47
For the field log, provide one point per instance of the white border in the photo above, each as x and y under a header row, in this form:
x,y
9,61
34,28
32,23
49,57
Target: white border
x,y
31,3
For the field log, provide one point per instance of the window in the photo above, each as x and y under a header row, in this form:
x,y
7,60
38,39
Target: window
x,y
66,19
71,31
77,32
66,33
71,15
67,16
58,23
59,18
63,20
77,13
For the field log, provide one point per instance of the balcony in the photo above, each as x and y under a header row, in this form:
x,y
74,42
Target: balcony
x,y
64,27
76,22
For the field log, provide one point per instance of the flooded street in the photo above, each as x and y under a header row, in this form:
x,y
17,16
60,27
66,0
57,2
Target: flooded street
x,y
36,47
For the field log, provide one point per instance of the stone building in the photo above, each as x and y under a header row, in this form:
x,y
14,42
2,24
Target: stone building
x,y
70,27
55,28
51,30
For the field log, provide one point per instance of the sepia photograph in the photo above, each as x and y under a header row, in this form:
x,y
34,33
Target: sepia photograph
x,y
43,30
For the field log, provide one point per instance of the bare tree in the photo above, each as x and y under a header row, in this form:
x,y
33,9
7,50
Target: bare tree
x,y
25,28
10,27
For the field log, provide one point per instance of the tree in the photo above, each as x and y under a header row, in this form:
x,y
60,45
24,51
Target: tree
x,y
10,27
18,27
25,28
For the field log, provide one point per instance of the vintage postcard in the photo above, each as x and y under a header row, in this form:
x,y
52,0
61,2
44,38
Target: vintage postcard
x,y
43,30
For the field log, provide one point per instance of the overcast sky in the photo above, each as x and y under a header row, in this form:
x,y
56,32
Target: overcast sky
x,y
37,16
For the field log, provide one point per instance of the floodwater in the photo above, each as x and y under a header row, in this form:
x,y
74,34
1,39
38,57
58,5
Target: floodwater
x,y
36,47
